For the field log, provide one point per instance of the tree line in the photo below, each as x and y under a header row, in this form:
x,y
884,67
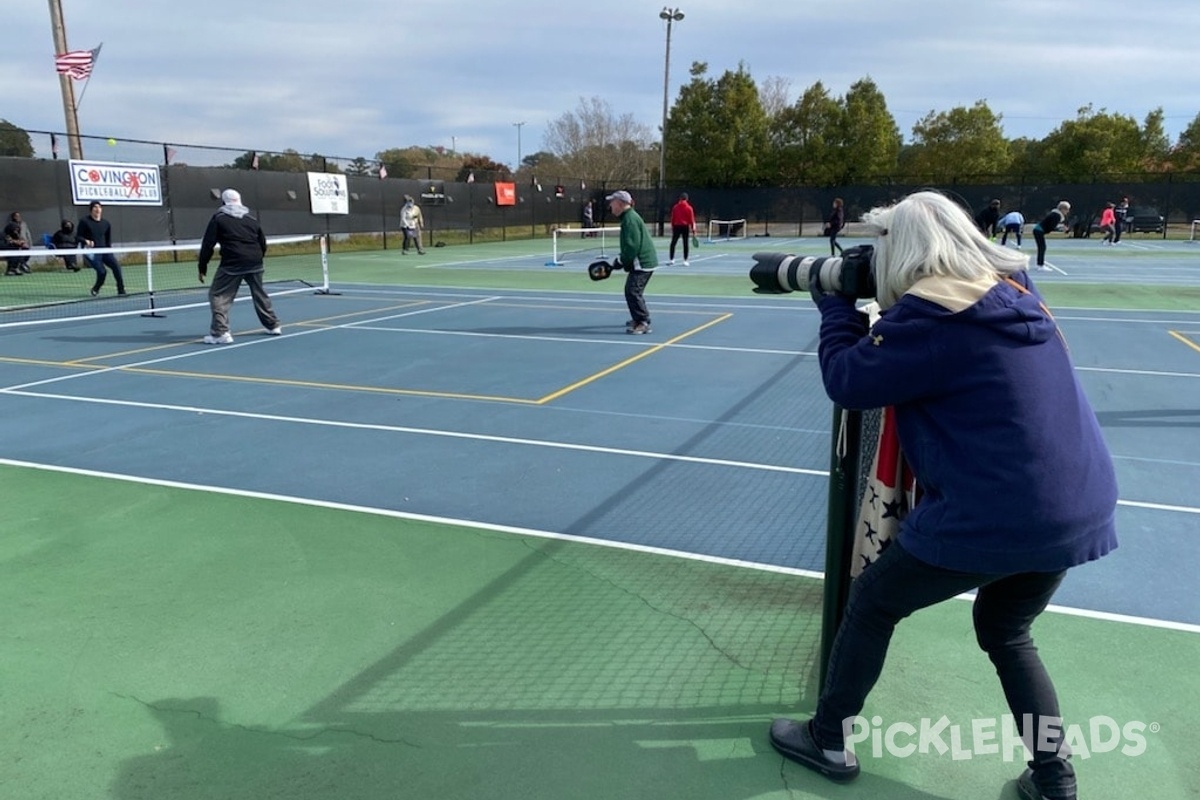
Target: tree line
x,y
731,132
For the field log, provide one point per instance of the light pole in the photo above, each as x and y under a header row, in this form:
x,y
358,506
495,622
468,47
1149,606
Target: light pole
x,y
518,125
671,15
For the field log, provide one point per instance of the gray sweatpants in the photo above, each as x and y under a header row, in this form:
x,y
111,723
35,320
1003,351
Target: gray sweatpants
x,y
223,290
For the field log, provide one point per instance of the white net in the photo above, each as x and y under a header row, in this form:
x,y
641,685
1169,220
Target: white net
x,y
579,245
43,284
722,230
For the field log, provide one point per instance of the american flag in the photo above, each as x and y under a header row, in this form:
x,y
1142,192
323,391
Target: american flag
x,y
77,63
382,171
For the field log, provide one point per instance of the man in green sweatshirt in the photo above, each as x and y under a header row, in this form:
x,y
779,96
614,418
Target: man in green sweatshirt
x,y
638,258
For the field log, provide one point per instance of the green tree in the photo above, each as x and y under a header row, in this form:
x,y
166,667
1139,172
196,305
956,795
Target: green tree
x,y
399,162
484,170
14,141
870,140
718,133
1156,145
1185,155
287,161
958,143
1094,143
804,139
360,166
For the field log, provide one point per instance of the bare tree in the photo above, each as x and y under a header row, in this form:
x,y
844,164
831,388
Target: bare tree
x,y
773,95
593,141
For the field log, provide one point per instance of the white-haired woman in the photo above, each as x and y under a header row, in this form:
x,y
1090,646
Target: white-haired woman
x,y
987,409
1050,223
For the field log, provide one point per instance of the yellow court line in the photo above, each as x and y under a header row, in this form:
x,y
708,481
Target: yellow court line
x,y
622,364
318,385
41,362
319,320
1185,340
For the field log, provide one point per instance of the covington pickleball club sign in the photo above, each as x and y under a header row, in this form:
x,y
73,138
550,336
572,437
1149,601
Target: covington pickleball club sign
x,y
115,184
328,193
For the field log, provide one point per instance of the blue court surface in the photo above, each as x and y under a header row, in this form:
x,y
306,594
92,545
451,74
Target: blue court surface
x,y
454,534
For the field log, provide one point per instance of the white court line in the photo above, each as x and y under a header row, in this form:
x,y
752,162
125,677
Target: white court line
x,y
212,348
1107,616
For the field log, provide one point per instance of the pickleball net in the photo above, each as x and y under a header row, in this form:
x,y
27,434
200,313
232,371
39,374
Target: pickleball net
x,y
581,245
158,278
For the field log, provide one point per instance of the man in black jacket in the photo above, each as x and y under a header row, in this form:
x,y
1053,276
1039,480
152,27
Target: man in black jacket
x,y
243,246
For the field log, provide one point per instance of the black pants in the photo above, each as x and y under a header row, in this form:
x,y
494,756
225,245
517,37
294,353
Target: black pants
x,y
834,247
1005,607
680,232
1039,236
635,288
1013,228
98,263
1120,227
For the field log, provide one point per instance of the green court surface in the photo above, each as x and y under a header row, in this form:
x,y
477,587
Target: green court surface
x,y
171,641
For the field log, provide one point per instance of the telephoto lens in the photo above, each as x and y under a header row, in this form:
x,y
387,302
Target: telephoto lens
x,y
850,274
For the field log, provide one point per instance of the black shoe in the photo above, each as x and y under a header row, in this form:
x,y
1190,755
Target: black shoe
x,y
1028,790
794,740
122,292
420,252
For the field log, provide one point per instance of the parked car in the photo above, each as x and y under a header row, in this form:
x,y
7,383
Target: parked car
x,y
1143,219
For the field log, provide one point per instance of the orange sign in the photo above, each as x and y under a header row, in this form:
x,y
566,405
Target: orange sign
x,y
506,194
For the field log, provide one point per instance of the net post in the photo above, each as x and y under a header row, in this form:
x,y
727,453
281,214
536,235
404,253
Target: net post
x,y
845,456
150,285
324,287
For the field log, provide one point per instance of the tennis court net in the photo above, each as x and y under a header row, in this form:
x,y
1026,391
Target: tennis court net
x,y
55,285
584,244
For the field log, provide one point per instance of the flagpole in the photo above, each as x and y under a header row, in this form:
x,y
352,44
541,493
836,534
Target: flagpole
x,y
74,142
95,58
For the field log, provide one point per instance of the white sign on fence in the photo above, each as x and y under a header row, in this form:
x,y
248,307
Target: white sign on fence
x,y
328,193
115,184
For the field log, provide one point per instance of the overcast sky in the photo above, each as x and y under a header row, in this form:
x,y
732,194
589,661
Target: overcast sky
x,y
353,77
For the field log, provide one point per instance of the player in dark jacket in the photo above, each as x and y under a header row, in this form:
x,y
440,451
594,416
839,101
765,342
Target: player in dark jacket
x,y
988,217
243,246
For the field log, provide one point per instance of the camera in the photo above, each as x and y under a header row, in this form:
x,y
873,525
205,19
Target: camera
x,y
850,274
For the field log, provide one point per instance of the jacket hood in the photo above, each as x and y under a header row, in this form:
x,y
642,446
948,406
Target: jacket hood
x,y
992,301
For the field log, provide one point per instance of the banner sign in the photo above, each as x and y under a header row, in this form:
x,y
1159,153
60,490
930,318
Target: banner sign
x,y
328,193
433,194
115,184
506,194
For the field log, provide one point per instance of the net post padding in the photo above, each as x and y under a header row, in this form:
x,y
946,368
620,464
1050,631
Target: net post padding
x,y
844,480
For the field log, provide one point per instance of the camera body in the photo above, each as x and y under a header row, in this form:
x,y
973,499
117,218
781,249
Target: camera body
x,y
850,275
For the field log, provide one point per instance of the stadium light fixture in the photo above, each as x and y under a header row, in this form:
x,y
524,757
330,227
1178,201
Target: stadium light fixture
x,y
671,15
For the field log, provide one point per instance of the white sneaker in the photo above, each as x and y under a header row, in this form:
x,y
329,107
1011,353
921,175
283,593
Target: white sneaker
x,y
685,263
276,331
671,263
224,338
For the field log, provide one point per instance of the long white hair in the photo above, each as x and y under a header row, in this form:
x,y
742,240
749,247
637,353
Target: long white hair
x,y
926,234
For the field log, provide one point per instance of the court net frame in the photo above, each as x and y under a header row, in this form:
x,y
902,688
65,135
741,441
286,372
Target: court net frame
x,y
725,230
152,299
595,243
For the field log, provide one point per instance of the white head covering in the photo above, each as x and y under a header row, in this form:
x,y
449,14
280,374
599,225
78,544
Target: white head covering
x,y
231,201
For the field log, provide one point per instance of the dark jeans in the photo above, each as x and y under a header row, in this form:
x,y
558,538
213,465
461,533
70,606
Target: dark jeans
x,y
1120,227
1005,607
1039,236
1015,229
635,287
98,263
680,232
834,247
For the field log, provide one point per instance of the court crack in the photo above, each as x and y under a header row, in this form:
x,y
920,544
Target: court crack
x,y
266,732
728,656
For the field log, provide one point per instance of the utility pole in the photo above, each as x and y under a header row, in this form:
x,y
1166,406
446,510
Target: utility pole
x,y
74,143
518,126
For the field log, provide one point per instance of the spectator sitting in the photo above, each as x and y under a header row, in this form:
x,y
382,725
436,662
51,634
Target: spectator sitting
x,y
16,237
64,239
